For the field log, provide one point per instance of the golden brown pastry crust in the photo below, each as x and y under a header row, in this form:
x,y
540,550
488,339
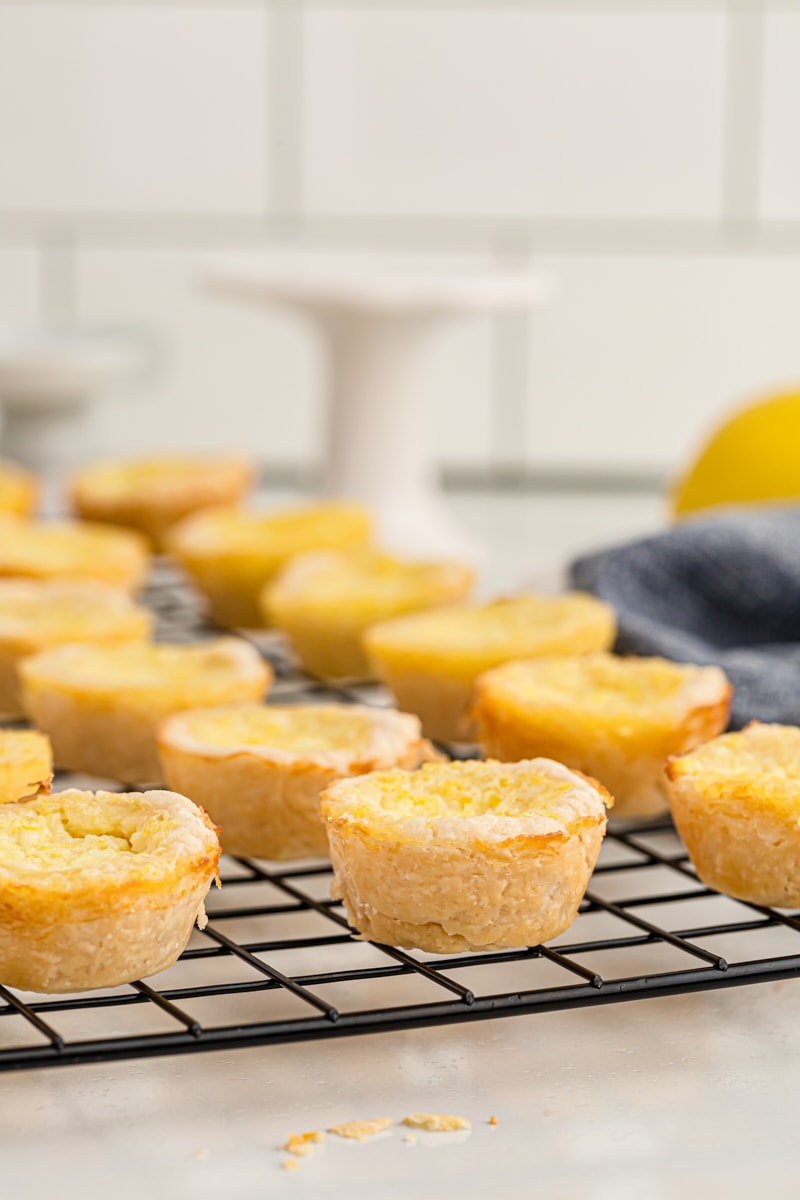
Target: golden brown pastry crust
x,y
430,660
325,600
98,889
617,719
450,869
153,494
231,554
736,805
265,794
75,550
19,489
100,705
37,613
26,764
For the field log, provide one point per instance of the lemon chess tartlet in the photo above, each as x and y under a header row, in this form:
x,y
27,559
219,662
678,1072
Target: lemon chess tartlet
x,y
259,769
26,763
430,660
325,601
464,855
18,489
231,554
98,889
617,719
736,805
100,704
72,550
36,614
153,494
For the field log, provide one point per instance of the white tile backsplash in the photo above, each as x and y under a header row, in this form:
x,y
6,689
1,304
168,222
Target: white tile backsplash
x,y
132,108
513,113
226,375
240,377
780,145
138,136
638,359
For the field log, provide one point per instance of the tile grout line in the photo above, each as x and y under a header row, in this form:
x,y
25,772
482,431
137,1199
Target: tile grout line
x,y
284,105
58,285
668,7
741,140
509,374
542,235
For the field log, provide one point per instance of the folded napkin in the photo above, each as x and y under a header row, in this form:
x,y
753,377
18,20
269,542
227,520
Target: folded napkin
x,y
722,590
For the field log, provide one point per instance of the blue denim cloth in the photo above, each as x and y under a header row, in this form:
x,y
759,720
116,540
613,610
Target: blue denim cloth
x,y
722,590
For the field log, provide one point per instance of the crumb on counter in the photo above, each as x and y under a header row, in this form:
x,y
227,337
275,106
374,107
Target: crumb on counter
x,y
302,1144
492,1120
410,1139
360,1131
200,1153
290,1164
437,1122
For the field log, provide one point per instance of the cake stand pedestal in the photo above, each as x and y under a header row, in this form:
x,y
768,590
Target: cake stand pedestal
x,y
376,319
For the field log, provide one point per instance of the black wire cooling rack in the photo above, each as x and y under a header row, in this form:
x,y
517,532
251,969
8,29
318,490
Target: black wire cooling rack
x,y
277,961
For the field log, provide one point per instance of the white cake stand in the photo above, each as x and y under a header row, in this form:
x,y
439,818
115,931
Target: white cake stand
x,y
376,316
48,380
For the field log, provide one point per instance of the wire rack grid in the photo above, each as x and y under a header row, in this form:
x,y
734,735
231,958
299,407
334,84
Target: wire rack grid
x,y
277,961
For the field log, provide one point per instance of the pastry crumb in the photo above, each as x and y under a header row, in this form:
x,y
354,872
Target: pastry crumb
x,y
200,1154
410,1139
492,1120
290,1164
360,1131
302,1144
437,1122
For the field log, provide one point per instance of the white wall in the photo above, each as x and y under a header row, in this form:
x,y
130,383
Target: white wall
x,y
644,153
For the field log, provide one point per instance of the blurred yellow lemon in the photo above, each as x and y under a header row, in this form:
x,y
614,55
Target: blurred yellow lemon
x,y
753,458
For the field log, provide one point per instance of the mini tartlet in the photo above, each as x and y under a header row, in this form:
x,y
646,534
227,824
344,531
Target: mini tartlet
x,y
617,719
736,805
19,490
231,554
26,763
259,769
430,660
36,614
325,601
464,855
153,494
100,705
76,550
98,889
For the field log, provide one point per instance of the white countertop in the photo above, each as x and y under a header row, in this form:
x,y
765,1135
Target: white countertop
x,y
651,1098
644,1099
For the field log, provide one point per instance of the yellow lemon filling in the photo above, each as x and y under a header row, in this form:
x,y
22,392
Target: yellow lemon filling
x,y
302,730
71,549
535,797
465,639
152,478
759,766
73,832
362,587
273,537
26,763
17,489
198,669
51,611
602,688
